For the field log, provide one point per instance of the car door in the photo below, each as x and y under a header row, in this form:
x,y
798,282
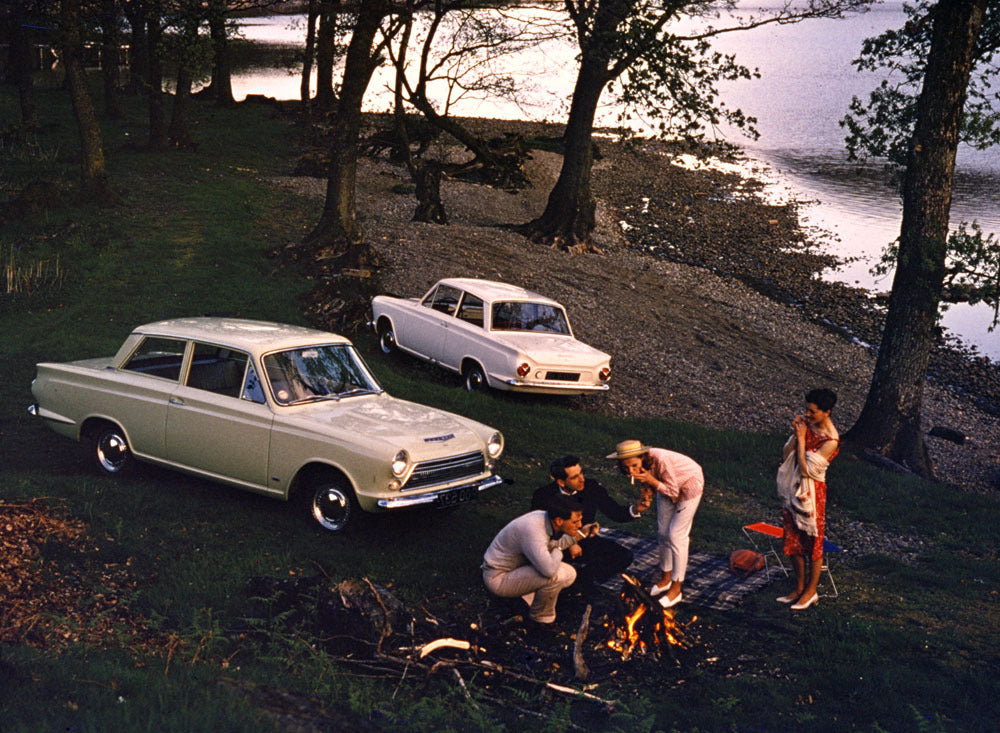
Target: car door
x,y
218,422
139,395
427,326
465,334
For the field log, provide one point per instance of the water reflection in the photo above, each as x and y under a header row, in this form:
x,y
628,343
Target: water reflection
x,y
806,84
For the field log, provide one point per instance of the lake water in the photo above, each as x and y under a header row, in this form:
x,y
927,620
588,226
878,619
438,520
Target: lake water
x,y
806,84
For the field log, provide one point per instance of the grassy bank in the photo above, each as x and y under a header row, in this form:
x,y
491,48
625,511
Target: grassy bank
x,y
906,646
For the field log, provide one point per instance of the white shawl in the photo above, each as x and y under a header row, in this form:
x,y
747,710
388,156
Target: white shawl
x,y
798,492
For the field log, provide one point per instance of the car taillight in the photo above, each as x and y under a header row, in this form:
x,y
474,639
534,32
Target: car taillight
x,y
605,374
523,369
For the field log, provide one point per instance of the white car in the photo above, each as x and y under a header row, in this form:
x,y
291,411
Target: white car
x,y
493,334
274,409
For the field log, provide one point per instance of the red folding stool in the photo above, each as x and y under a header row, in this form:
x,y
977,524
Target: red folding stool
x,y
773,535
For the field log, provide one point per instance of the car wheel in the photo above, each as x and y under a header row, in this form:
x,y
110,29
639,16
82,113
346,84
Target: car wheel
x,y
386,339
475,378
333,505
110,450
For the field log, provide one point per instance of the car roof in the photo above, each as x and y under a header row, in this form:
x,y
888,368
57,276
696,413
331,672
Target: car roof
x,y
241,333
491,290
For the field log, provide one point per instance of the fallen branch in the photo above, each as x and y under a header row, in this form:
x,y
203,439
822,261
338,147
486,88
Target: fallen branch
x,y
581,671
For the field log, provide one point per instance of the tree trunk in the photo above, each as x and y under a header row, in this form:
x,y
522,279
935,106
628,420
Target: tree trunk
x,y
426,176
20,71
138,59
890,422
111,59
180,133
568,218
338,227
154,80
325,48
221,86
307,59
95,187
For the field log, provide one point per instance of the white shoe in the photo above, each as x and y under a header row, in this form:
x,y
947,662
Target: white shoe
x,y
803,605
655,590
667,603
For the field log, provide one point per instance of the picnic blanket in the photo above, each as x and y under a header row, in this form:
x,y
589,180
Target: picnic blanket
x,y
709,582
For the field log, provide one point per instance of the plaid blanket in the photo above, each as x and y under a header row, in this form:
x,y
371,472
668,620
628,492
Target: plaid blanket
x,y
708,583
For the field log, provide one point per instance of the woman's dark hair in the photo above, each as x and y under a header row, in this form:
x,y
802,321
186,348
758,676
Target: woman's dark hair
x,y
823,398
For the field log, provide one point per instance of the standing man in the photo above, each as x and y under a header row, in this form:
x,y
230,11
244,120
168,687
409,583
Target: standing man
x,y
526,558
600,558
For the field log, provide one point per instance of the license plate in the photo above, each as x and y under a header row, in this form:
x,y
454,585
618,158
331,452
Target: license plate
x,y
457,496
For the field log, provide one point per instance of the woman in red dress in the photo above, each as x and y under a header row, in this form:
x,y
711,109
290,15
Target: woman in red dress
x,y
815,443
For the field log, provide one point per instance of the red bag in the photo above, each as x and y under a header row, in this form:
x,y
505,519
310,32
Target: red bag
x,y
744,562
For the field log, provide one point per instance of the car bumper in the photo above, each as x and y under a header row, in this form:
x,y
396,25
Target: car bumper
x,y
432,497
518,385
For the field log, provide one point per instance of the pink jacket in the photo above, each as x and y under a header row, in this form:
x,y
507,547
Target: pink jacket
x,y
680,477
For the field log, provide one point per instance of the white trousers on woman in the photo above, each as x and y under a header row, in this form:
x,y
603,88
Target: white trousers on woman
x,y
673,525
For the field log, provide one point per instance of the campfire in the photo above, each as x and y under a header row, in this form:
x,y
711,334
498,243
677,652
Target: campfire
x,y
642,626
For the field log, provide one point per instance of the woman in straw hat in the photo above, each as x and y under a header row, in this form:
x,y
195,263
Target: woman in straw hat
x,y
678,483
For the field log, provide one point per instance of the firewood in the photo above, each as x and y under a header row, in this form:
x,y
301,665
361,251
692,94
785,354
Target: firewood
x,y
582,672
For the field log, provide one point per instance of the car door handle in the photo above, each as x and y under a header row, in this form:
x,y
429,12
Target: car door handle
x,y
176,401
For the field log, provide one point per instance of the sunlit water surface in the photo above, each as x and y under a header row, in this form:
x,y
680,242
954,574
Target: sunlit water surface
x,y
806,84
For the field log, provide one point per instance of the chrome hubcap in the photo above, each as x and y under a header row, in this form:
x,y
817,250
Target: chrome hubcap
x,y
331,508
112,452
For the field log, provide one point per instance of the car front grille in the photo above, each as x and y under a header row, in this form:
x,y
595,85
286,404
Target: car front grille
x,y
443,470
563,376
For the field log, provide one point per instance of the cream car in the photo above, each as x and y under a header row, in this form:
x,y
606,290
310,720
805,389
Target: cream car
x,y
274,409
493,334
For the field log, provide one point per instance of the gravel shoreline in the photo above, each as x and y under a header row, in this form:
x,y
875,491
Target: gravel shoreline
x,y
667,295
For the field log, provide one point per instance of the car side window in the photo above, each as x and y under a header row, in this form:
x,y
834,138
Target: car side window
x,y
471,310
446,299
217,369
158,357
253,390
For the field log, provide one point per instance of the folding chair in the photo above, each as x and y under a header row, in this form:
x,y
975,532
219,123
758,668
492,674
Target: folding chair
x,y
772,535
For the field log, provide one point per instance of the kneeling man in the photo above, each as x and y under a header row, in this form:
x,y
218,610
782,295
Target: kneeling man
x,y
525,558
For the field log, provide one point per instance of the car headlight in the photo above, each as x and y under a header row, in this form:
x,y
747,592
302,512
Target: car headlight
x,y
400,463
494,446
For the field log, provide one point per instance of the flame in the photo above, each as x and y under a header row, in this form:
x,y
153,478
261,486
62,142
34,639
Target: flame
x,y
626,638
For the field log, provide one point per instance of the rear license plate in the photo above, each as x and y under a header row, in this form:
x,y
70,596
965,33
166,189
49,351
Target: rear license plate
x,y
457,496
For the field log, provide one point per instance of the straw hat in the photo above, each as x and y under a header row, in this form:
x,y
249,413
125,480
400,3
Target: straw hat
x,y
628,449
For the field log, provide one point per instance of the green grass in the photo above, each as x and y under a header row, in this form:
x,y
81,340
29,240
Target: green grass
x,y
905,647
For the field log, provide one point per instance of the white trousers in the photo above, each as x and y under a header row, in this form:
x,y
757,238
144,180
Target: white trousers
x,y
673,525
539,592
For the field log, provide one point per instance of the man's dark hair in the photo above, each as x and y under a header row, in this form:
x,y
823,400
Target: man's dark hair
x,y
558,468
562,506
823,398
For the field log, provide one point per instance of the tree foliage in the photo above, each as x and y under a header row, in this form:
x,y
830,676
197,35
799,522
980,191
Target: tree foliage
x,y
883,127
657,57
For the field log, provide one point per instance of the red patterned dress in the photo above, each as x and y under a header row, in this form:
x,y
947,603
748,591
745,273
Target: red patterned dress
x,y
797,542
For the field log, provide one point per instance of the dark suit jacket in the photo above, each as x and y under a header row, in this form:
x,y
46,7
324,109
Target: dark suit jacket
x,y
593,496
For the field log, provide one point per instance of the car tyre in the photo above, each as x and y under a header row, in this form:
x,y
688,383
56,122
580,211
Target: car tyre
x,y
110,450
475,378
332,505
386,339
